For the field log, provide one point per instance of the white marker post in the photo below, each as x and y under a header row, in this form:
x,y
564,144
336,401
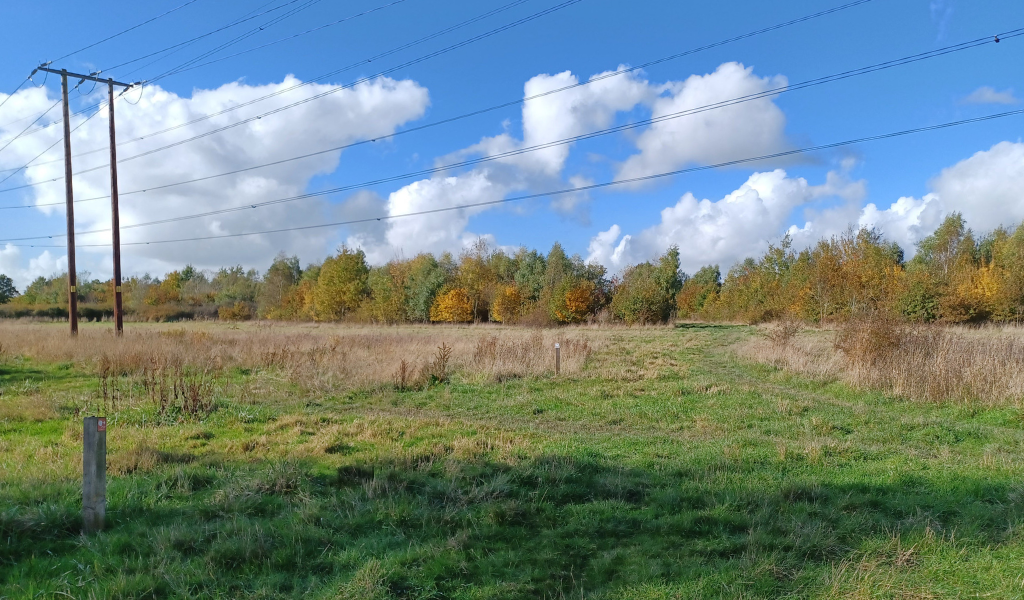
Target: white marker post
x,y
558,358
94,474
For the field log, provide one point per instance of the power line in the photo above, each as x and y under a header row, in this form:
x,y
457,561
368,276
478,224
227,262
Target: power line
x,y
616,129
575,190
50,147
107,39
12,140
186,43
237,39
350,67
11,95
239,21
291,37
502,105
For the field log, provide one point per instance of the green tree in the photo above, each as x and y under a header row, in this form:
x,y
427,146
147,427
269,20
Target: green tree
x,y
669,275
640,297
235,284
7,290
341,285
425,279
557,267
283,275
530,273
386,284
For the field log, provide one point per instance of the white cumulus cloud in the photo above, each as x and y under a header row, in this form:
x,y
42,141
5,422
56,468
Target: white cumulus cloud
x,y
549,118
742,130
43,265
987,188
366,111
723,231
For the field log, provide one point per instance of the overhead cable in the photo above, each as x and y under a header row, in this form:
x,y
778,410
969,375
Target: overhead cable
x,y
572,190
593,134
120,33
515,102
338,71
290,37
190,41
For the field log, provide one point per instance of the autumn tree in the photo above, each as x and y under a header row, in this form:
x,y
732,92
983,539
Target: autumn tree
x,y
1003,254
387,285
944,268
639,297
235,284
167,291
299,301
452,306
508,304
574,300
341,285
476,277
699,290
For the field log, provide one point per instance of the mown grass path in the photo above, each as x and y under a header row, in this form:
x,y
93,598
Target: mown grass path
x,y
671,469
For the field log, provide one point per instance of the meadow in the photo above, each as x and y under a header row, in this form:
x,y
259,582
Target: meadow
x,y
682,461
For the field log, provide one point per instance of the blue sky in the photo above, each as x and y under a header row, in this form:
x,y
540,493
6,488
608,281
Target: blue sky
x,y
590,37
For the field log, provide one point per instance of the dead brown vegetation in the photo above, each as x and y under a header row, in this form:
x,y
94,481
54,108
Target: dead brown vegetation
x,y
179,367
921,362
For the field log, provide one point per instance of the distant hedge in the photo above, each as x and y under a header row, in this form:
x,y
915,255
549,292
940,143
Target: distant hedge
x,y
99,312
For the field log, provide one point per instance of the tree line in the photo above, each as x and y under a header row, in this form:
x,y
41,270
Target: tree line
x,y
954,277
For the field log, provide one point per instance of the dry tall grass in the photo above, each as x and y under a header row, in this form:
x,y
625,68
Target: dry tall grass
x,y
323,359
931,363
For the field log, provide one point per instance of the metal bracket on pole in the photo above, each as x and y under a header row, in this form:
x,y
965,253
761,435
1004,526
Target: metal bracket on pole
x,y
89,77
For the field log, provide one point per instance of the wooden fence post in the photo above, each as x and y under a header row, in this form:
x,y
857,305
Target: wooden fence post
x,y
94,474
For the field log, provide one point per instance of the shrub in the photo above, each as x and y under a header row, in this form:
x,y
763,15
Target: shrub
x,y
239,311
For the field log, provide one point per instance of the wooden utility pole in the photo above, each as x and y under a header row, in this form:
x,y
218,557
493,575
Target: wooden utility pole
x,y
70,194
115,226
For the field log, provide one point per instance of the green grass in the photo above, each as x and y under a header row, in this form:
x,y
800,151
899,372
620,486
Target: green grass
x,y
696,475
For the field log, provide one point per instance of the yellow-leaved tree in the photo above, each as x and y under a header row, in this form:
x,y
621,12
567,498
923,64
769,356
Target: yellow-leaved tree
x,y
452,306
507,306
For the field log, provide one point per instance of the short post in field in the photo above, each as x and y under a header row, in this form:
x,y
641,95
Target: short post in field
x,y
94,473
558,358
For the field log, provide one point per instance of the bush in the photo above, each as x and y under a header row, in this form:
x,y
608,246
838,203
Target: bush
x,y
239,311
164,314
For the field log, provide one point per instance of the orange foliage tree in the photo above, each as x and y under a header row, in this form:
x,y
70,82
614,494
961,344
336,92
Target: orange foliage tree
x,y
452,306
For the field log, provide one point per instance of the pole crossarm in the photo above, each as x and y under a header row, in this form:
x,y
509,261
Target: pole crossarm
x,y
90,77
